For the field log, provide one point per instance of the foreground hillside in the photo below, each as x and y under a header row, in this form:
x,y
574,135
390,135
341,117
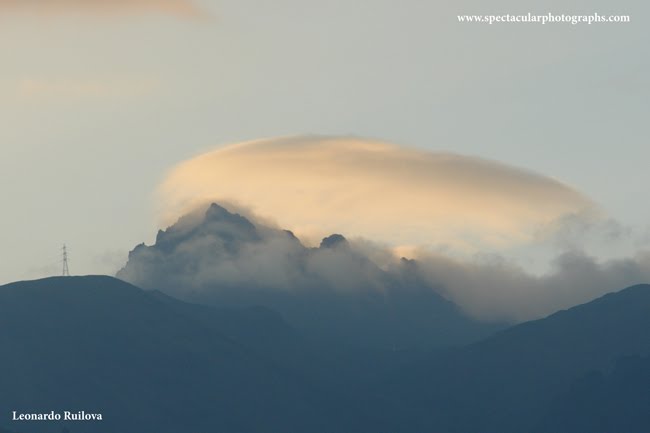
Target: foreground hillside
x,y
147,364
540,376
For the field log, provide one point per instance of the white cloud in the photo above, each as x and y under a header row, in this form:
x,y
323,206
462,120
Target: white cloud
x,y
392,194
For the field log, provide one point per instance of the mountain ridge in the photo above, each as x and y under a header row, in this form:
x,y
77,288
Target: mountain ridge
x,y
333,292
105,346
505,379
99,344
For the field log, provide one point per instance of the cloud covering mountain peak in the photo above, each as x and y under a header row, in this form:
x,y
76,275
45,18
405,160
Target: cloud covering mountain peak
x,y
219,256
381,191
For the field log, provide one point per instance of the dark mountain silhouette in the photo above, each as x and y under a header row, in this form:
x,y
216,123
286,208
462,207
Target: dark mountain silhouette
x,y
151,363
334,293
285,338
601,402
544,376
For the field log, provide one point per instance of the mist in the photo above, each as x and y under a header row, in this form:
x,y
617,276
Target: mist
x,y
494,288
234,260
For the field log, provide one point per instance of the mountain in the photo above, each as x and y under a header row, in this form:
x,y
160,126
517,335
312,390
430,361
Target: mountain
x,y
601,402
334,293
151,363
566,370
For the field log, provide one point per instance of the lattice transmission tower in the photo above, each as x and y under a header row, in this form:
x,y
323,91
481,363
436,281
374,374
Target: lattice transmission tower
x,y
66,271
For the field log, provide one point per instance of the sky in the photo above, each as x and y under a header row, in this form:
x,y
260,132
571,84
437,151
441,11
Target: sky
x,y
100,101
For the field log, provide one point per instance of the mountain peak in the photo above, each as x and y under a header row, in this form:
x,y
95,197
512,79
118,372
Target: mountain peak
x,y
215,210
229,226
219,213
334,241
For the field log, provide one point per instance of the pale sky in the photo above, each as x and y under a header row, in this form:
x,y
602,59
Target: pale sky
x,y
97,104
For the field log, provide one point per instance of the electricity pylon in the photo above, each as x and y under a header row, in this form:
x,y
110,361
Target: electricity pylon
x,y
66,271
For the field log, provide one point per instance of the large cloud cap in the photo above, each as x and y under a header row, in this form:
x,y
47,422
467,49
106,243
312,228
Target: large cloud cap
x,y
402,196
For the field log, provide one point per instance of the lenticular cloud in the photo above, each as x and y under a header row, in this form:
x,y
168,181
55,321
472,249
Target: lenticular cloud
x,y
397,195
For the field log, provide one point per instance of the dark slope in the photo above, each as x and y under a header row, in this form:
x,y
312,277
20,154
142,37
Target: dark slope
x,y
513,381
334,294
257,328
616,401
101,345
331,366
264,332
